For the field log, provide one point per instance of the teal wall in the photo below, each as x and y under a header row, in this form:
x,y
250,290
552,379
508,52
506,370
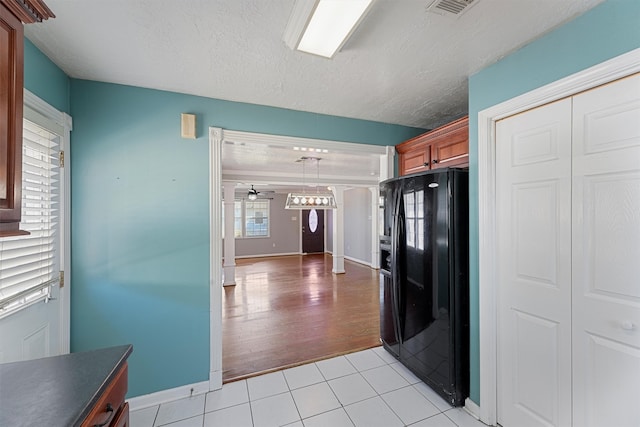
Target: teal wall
x,y
140,219
43,78
604,32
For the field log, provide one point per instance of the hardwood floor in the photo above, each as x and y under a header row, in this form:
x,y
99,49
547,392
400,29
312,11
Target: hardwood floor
x,y
285,311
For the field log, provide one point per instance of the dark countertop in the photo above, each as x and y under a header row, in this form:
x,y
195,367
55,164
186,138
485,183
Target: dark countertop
x,y
59,390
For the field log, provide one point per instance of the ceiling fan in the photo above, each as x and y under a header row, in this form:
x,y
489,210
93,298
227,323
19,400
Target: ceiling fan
x,y
254,194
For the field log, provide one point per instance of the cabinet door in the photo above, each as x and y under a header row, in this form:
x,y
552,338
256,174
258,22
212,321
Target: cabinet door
x,y
11,83
109,402
443,147
453,151
415,161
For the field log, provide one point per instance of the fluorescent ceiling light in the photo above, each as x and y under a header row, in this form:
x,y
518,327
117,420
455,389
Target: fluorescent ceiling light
x,y
322,27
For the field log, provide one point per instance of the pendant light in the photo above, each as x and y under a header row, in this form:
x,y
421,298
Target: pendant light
x,y
317,200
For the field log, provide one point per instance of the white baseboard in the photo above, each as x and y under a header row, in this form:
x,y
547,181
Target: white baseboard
x,y
163,396
472,408
359,261
267,255
215,380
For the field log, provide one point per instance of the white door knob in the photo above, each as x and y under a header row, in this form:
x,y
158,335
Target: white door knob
x,y
627,325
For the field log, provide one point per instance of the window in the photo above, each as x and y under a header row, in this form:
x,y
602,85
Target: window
x,y
256,218
29,264
250,218
237,218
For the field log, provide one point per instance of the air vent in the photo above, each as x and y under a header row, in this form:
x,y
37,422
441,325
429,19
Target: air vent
x,y
453,8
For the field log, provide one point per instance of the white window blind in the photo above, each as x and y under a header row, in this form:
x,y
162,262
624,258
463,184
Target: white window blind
x,y
29,264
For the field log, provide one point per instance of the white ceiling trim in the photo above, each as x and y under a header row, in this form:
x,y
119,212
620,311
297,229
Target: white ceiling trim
x,y
239,137
273,175
274,178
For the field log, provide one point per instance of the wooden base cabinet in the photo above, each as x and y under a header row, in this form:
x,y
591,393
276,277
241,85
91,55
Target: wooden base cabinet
x,y
443,147
111,409
81,389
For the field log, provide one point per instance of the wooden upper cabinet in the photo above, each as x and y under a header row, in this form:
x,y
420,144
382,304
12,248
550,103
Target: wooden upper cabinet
x,y
443,147
13,13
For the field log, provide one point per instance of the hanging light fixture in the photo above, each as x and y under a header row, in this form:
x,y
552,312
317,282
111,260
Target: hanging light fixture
x,y
317,200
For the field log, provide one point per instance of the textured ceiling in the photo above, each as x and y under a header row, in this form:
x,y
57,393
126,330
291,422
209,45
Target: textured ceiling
x,y
403,65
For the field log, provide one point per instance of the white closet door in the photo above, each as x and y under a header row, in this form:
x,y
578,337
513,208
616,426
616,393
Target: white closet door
x,y
606,255
533,192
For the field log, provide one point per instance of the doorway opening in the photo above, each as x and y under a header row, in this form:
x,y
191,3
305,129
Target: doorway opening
x,y
242,157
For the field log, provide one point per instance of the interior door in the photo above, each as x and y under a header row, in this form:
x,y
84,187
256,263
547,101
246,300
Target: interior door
x,y
33,332
533,195
40,329
312,231
606,255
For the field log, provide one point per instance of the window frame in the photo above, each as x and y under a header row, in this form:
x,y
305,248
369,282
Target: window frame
x,y
246,218
240,219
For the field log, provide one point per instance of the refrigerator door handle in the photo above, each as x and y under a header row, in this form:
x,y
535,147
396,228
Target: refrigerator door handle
x,y
400,264
394,241
396,271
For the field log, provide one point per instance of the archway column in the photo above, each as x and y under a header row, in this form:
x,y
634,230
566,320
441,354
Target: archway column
x,y
215,249
338,230
229,265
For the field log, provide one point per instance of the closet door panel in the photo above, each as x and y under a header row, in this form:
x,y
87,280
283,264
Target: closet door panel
x,y
606,254
533,195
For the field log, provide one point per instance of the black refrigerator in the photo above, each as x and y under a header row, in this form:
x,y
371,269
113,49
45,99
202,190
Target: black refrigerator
x,y
424,285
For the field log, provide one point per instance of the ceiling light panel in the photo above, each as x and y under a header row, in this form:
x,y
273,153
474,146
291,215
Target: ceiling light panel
x,y
327,26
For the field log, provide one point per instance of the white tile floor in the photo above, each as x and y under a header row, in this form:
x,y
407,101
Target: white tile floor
x,y
368,388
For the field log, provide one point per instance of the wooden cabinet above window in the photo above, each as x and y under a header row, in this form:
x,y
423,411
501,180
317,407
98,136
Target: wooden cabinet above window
x,y
13,14
443,147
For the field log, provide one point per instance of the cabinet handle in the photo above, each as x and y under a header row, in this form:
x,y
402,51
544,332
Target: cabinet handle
x,y
425,164
434,161
109,409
